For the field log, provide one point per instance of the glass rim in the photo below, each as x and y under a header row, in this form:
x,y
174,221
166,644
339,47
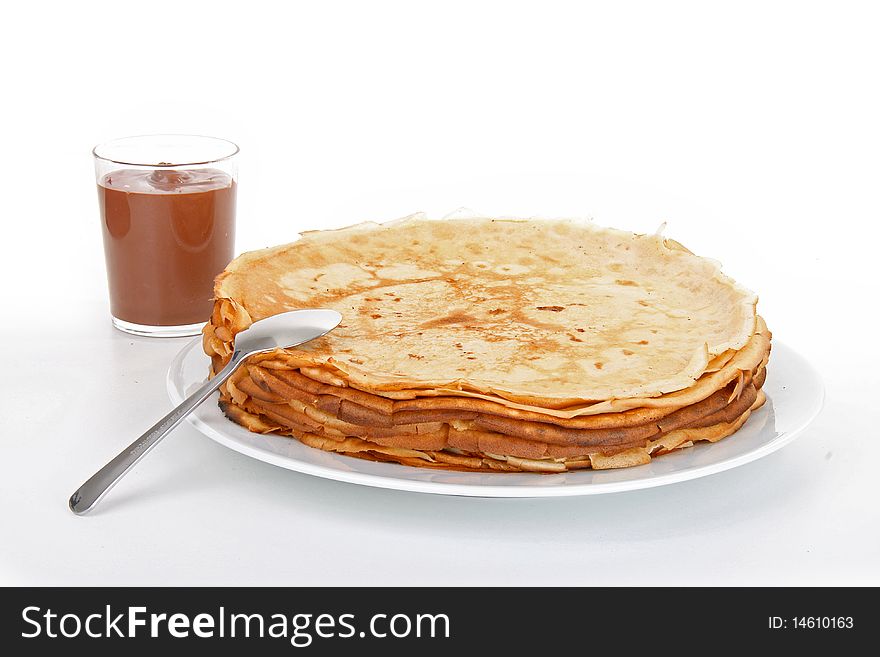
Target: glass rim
x,y
98,156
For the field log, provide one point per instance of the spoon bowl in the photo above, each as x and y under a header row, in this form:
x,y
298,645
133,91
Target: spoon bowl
x,y
286,330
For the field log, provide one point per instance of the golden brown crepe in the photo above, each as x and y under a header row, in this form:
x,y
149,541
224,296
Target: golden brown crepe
x,y
494,344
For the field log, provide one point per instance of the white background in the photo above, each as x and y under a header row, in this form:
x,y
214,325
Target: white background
x,y
752,128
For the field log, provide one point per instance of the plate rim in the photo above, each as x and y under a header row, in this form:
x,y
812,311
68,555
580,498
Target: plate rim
x,y
489,490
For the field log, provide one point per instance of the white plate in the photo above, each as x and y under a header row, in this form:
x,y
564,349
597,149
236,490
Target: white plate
x,y
794,397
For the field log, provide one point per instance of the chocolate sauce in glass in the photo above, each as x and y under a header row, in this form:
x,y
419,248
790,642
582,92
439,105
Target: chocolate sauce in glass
x,y
167,234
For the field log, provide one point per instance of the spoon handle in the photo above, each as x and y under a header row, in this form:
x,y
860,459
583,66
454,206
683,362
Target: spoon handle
x,y
104,479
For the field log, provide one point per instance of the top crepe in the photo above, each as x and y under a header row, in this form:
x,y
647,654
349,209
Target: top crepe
x,y
552,313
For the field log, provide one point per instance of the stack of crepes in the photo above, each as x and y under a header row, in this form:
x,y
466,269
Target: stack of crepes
x,y
494,345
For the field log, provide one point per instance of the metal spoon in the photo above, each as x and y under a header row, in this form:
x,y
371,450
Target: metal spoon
x,y
279,331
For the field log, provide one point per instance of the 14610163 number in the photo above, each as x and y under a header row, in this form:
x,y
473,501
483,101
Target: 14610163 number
x,y
811,622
